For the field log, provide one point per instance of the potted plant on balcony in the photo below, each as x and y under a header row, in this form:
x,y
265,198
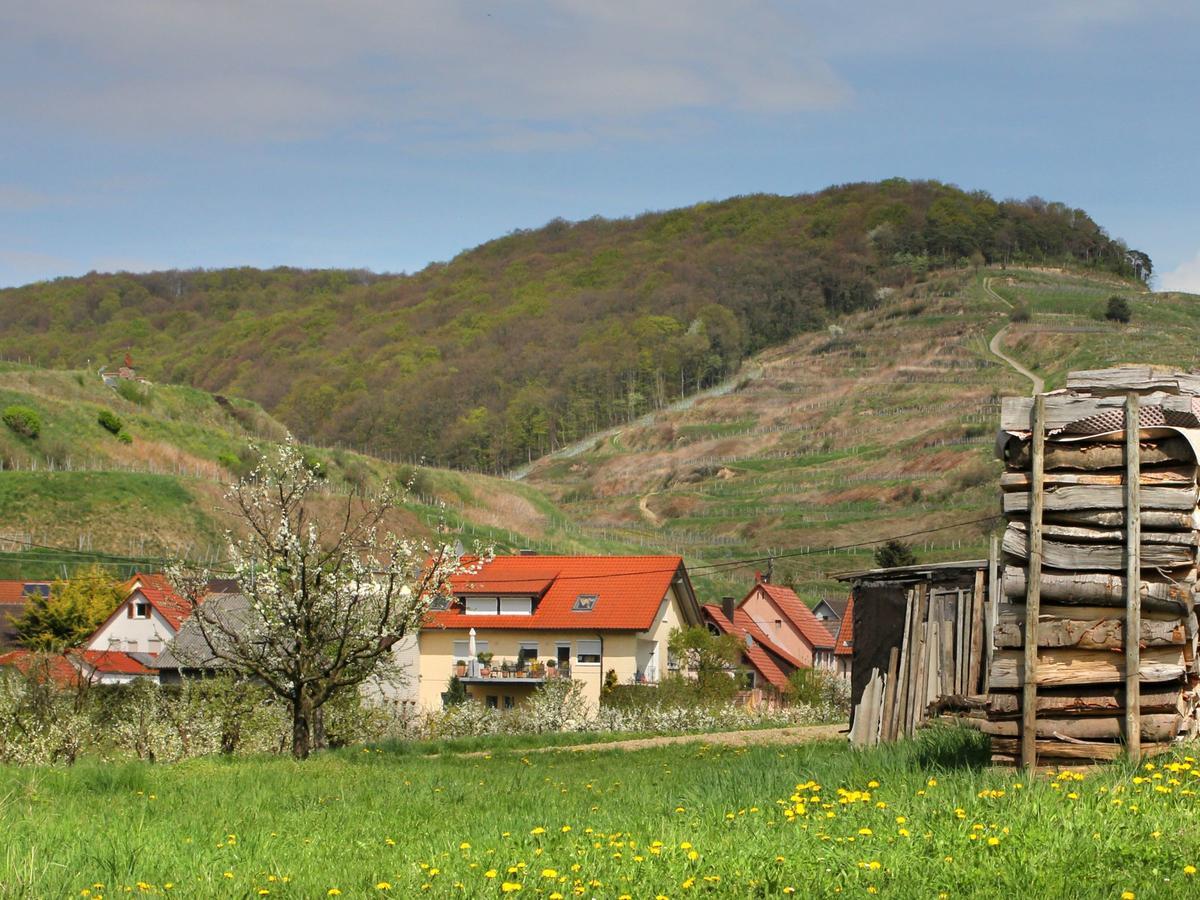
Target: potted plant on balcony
x,y
485,663
551,668
535,669
460,668
506,669
564,670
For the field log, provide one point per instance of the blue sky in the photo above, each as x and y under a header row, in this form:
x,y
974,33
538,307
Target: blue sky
x,y
387,134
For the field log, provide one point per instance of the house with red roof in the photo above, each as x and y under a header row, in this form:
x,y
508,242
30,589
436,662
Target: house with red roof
x,y
537,617
766,663
844,651
148,618
788,622
13,597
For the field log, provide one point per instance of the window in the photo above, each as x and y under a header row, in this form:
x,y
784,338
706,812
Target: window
x,y
508,701
439,602
563,653
516,606
492,701
587,651
585,603
140,610
481,606
462,649
527,652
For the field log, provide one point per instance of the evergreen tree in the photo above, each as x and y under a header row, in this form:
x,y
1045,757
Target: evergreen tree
x,y
71,612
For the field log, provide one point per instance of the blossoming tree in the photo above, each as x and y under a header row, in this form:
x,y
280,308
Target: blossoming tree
x,y
324,606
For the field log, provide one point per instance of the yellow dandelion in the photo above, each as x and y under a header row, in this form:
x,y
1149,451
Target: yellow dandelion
x,y
383,886
1189,870
510,887
549,873
490,873
333,892
538,830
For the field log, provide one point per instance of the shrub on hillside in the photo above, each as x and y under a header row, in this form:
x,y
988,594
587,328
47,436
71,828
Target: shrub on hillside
x,y
1118,310
23,420
894,553
1019,314
109,421
134,392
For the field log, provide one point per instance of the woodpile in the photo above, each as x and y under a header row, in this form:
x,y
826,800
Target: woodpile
x,y
1101,538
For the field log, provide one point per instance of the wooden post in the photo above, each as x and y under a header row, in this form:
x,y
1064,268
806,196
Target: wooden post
x,y
1133,580
975,642
889,697
993,605
900,705
1033,593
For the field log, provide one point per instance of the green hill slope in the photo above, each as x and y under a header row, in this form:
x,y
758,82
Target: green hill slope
x,y
78,487
540,337
881,425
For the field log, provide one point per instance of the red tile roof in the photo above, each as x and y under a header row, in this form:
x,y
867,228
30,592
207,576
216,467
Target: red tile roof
x,y
757,650
58,667
158,590
114,662
797,612
845,635
628,591
14,591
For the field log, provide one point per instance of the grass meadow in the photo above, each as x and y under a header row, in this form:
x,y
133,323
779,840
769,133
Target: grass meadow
x,y
920,819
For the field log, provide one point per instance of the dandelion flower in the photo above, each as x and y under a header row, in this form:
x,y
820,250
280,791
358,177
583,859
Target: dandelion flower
x,y
538,830
510,887
490,873
333,892
383,886
549,873
1189,870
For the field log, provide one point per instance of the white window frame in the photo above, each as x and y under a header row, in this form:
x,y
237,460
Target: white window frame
x,y
584,647
480,606
516,606
144,605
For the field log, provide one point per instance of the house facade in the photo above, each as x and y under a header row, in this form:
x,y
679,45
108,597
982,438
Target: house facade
x,y
542,617
788,623
829,612
148,618
766,664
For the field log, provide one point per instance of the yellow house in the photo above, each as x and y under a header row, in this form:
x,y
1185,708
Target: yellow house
x,y
521,620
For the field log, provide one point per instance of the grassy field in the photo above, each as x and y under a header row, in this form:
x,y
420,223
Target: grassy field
x,y
922,819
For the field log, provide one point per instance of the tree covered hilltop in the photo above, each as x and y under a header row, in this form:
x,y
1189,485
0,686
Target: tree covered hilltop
x,y
545,335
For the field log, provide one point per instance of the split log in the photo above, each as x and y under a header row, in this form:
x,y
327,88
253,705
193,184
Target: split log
x,y
1015,612
1102,634
1016,413
1100,496
1070,667
1103,557
1179,475
1091,700
1091,456
1123,379
1097,589
1093,534
1050,749
1161,519
1160,727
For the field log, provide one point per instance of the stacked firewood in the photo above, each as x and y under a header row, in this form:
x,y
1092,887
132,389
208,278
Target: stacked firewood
x,y
1081,678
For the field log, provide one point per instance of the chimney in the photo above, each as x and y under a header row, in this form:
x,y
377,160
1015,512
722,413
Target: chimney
x,y
727,607
526,552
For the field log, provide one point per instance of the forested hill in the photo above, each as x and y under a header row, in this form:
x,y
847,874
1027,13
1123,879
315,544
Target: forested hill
x,y
541,336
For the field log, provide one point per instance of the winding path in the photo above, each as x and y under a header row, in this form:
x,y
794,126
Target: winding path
x,y
994,345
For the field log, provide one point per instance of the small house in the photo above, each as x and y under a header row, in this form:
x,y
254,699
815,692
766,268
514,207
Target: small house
x,y
766,664
787,621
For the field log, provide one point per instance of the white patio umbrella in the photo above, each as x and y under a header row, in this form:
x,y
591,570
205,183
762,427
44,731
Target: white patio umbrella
x,y
472,661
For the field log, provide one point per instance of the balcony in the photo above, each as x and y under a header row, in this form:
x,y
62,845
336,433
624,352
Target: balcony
x,y
475,672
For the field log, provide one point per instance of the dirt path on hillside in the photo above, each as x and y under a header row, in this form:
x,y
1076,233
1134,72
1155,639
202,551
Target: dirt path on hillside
x,y
650,515
1038,384
797,734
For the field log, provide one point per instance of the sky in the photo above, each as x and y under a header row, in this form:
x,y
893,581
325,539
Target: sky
x,y
388,134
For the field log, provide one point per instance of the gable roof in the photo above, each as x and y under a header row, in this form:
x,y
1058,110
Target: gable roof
x,y
837,605
628,589
161,595
758,651
189,649
797,612
58,667
115,662
845,635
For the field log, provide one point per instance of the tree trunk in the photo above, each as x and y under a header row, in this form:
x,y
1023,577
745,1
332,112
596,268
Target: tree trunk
x,y
301,725
318,728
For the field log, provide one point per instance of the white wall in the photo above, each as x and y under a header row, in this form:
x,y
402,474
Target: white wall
x,y
133,635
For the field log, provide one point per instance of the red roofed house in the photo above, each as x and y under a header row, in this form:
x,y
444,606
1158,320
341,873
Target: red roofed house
x,y
767,663
589,613
137,631
58,668
13,595
788,622
844,651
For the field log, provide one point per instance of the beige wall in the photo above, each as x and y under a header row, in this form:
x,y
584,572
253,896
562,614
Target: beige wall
x,y
626,653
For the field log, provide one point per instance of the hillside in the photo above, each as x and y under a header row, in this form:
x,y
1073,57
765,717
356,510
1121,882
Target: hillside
x,y
158,494
541,337
880,425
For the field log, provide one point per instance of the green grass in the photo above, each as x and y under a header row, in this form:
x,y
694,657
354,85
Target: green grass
x,y
897,820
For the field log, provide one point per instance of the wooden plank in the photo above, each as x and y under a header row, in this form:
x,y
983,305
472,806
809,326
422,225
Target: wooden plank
x,y
1095,634
1090,700
1178,475
992,606
1050,749
1015,612
964,643
946,627
1094,534
918,656
1155,728
1100,496
975,645
1060,410
1121,379
889,696
1067,667
1135,554
1033,593
1093,588
1092,456
1059,554
900,704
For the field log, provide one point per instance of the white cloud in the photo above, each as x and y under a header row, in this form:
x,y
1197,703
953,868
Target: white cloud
x,y
560,70
1185,277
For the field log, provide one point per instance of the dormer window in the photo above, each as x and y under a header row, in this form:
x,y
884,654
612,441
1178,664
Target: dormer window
x,y
503,606
139,609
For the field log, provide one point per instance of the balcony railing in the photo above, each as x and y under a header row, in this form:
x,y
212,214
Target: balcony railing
x,y
531,673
